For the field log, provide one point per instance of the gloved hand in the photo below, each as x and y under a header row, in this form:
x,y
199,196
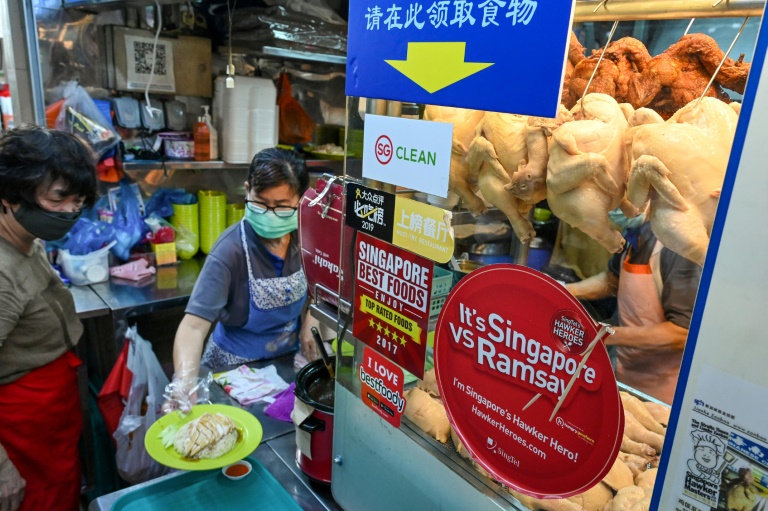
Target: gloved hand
x,y
11,484
185,391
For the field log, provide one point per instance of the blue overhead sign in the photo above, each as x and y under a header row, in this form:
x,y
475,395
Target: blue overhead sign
x,y
497,55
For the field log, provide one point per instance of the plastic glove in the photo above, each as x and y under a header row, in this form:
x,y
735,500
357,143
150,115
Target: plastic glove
x,y
12,485
185,391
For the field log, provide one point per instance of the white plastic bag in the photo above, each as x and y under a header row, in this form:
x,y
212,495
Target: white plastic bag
x,y
134,464
80,116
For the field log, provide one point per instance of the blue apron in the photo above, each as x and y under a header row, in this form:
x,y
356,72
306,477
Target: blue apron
x,y
274,317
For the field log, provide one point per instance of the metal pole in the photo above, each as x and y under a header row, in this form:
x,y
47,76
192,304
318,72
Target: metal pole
x,y
22,60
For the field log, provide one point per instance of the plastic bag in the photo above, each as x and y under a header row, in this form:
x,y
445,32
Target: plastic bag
x,y
114,394
88,236
128,224
186,240
80,116
161,202
296,126
134,464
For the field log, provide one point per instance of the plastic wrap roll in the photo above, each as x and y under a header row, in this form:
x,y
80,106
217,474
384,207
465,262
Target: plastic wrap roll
x,y
213,217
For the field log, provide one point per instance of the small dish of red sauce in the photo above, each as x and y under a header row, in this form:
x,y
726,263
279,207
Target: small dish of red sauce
x,y
237,471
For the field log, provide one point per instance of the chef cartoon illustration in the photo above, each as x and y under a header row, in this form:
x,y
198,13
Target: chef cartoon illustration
x,y
708,450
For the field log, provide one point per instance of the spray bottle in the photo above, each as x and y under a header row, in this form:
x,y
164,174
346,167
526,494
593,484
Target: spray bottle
x,y
214,136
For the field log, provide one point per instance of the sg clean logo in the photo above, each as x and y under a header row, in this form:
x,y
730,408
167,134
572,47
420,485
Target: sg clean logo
x,y
384,149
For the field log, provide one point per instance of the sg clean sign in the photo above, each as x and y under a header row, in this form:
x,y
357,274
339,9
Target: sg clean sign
x,y
409,153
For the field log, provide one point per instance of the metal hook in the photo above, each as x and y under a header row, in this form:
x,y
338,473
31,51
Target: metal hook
x,y
603,2
725,57
605,48
689,26
718,2
322,195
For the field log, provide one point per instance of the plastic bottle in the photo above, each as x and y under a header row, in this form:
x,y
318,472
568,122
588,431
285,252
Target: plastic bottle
x,y
214,135
202,136
7,107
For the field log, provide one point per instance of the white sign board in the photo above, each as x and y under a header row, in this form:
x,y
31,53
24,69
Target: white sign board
x,y
409,153
724,445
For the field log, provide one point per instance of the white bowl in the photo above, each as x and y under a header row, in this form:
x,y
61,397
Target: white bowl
x,y
237,478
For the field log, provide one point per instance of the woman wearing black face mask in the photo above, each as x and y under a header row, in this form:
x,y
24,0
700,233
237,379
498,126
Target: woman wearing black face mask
x,y
46,178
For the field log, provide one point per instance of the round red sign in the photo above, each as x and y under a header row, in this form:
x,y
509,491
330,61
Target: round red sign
x,y
384,149
494,356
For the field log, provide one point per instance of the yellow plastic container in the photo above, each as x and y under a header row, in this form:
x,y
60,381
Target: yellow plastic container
x,y
165,253
213,217
186,221
235,213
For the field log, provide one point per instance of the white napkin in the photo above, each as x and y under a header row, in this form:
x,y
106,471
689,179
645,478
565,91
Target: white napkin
x,y
249,385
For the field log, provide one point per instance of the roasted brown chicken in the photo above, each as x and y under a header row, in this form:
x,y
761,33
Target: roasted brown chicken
x,y
624,60
679,75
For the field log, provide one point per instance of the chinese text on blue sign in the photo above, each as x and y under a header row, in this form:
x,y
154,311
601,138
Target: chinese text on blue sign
x,y
497,55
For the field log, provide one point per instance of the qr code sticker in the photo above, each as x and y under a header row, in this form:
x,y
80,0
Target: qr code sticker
x,y
142,55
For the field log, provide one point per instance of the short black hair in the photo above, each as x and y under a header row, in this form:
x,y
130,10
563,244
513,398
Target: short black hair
x,y
31,156
274,167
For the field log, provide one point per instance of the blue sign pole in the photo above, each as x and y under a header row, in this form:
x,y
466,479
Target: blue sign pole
x,y
495,55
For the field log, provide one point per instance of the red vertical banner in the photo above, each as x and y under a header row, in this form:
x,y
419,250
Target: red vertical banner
x,y
382,387
392,292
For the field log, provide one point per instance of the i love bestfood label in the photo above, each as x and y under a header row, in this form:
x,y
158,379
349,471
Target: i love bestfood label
x,y
381,387
505,335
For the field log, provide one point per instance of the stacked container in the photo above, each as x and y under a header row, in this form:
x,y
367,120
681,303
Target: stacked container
x,y
247,116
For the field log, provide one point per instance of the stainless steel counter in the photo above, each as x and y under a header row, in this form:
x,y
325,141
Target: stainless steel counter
x,y
87,303
169,287
276,452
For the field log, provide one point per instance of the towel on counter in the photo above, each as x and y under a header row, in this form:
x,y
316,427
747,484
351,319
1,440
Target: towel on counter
x,y
282,406
249,385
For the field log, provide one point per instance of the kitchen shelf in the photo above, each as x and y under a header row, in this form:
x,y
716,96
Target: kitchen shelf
x,y
304,55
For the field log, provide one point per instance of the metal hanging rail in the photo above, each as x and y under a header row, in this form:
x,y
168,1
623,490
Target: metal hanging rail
x,y
628,10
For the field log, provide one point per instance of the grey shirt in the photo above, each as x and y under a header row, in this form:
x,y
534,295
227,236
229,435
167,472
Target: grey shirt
x,y
38,321
221,291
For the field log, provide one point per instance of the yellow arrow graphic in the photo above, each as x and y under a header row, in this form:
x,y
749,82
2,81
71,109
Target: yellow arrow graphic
x,y
434,66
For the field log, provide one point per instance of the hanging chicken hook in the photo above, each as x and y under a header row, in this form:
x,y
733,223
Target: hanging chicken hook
x,y
689,27
725,57
594,72
718,2
602,3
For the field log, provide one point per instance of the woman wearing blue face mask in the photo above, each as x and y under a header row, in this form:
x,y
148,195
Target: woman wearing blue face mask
x,y
252,282
46,178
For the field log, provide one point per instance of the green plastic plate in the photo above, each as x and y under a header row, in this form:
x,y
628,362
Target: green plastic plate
x,y
210,490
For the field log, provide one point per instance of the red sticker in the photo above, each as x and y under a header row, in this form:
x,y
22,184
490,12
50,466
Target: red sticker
x,y
392,293
568,332
505,335
382,386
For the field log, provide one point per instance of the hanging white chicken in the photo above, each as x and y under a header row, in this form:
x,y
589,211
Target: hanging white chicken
x,y
679,166
461,181
588,166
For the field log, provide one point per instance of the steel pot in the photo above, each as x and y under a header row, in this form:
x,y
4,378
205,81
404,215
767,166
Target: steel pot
x,y
315,388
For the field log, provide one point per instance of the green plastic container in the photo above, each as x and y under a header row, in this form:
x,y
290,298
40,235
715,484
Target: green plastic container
x,y
210,490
